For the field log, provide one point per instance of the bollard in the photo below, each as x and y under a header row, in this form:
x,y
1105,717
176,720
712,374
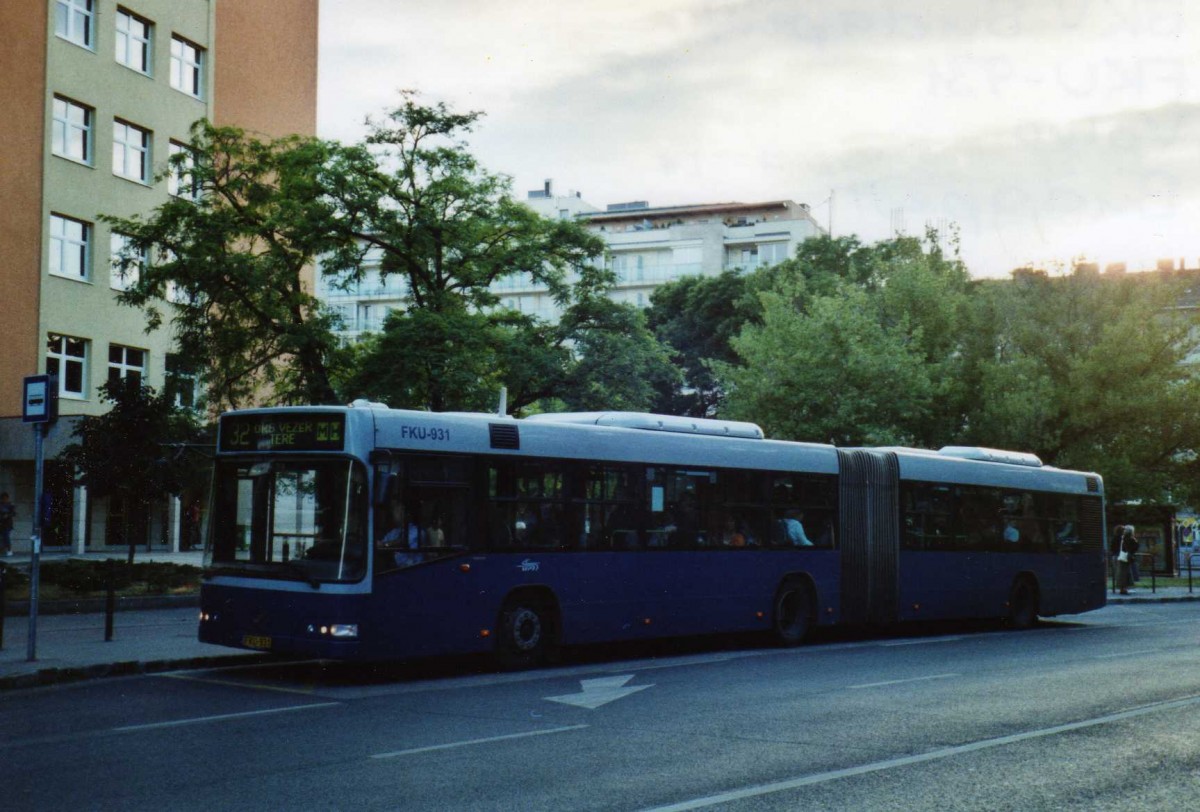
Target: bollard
x,y
1153,579
110,601
1189,574
3,570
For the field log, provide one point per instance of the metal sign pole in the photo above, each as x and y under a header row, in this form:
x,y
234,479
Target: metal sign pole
x,y
40,407
35,540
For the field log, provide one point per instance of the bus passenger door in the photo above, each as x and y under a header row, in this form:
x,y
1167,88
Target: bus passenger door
x,y
870,535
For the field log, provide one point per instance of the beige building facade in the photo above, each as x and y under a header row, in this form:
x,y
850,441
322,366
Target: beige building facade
x,y
97,96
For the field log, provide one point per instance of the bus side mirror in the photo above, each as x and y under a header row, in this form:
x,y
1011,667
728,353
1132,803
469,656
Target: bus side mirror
x,y
387,489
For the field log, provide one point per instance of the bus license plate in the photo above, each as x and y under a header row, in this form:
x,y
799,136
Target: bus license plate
x,y
256,641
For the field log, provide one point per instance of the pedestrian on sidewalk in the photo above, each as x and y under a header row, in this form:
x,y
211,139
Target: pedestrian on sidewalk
x,y
7,513
1134,575
1125,550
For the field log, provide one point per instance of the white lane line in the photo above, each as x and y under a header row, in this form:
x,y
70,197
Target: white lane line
x,y
948,752
904,681
223,717
1126,654
470,742
921,642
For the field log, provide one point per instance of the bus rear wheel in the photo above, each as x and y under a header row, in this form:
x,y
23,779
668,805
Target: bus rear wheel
x,y
793,612
1022,604
526,633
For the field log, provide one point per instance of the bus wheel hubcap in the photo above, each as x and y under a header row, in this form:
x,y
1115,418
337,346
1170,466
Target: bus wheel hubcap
x,y
526,628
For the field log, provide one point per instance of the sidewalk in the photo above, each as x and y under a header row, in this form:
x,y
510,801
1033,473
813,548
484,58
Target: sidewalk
x,y
71,647
1142,594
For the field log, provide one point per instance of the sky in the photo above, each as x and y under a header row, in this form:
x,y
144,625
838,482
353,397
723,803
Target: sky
x,y
1045,131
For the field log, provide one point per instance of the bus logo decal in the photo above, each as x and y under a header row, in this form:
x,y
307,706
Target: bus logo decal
x,y
529,566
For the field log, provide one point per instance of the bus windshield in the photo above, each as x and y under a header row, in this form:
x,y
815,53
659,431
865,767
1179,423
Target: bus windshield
x,y
289,518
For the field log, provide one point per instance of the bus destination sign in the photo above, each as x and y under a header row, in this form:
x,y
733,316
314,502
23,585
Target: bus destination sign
x,y
283,432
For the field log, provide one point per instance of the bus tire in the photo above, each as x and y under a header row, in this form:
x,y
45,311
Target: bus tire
x,y
526,631
1023,603
792,615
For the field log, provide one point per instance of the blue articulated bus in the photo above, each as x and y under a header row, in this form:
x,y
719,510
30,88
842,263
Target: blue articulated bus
x,y
364,532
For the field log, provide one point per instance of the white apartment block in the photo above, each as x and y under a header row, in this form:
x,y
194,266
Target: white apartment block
x,y
646,247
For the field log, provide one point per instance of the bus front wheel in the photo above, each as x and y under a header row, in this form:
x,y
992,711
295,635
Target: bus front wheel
x,y
1022,604
793,612
526,633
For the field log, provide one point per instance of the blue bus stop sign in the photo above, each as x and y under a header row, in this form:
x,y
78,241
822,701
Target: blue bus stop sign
x,y
40,404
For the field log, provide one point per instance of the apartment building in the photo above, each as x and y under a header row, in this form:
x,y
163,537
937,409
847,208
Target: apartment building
x,y
97,96
646,247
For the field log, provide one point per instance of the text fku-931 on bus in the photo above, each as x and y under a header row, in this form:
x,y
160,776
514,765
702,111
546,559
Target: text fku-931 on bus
x,y
366,532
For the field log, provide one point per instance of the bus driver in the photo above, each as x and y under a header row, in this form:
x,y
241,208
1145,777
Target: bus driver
x,y
404,535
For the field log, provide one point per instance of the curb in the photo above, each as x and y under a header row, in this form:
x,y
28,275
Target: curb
x,y
1152,598
60,676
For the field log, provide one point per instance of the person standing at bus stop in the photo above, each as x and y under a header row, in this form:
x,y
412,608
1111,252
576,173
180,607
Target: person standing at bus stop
x,y
1134,575
1126,547
7,514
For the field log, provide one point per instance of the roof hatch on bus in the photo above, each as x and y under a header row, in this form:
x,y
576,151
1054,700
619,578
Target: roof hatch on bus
x,y
991,455
657,422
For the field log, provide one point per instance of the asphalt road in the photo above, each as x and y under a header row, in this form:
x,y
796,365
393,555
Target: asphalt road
x,y
1097,712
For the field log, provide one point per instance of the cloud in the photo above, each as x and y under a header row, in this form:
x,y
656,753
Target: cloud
x,y
1024,121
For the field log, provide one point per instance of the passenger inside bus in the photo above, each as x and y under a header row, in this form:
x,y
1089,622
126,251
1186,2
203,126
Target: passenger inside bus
x,y
404,535
792,526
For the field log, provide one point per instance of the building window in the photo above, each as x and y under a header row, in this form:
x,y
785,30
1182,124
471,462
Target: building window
x,y
181,181
125,363
182,384
772,253
131,151
73,21
187,64
133,41
126,263
71,131
70,241
66,357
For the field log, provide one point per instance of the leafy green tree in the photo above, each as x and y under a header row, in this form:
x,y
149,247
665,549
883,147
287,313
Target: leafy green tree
x,y
598,356
697,317
129,452
457,361
834,373
616,363
231,263
450,228
1090,372
856,345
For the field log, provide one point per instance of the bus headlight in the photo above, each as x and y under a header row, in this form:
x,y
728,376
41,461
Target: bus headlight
x,y
338,631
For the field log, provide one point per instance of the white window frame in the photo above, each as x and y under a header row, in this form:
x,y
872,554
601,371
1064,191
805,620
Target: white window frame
x,y
181,182
124,278
75,21
123,367
131,151
187,67
70,248
59,352
134,41
71,132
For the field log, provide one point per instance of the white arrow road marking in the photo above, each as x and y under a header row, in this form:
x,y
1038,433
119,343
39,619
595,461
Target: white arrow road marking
x,y
597,692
